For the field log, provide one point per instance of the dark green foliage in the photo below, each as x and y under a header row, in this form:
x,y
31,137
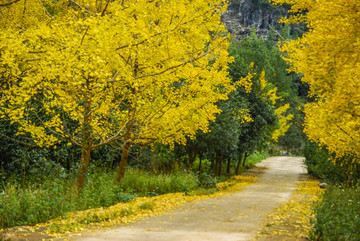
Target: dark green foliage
x,y
338,215
256,134
206,180
266,56
345,170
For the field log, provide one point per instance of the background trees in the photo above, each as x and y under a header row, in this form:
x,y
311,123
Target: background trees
x,y
328,58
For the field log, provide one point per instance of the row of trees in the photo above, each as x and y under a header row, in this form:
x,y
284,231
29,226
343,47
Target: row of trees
x,y
328,58
104,78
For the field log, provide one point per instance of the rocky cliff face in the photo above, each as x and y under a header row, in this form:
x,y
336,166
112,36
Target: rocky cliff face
x,y
242,15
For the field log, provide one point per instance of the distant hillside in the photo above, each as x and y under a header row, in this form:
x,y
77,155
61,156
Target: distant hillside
x,y
242,15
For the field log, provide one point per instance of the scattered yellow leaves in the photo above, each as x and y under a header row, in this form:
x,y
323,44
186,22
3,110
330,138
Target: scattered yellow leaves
x,y
291,221
124,213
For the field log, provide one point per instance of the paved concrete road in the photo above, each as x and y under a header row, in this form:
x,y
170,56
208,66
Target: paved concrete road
x,y
238,216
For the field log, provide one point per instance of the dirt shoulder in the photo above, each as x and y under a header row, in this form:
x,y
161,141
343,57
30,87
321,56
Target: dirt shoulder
x,y
238,216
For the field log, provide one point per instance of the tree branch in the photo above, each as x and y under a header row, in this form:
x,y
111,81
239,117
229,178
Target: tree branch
x,y
7,4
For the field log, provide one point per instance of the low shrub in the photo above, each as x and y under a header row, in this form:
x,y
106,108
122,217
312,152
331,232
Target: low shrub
x,y
207,181
146,184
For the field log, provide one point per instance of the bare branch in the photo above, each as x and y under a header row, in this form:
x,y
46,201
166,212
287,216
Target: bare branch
x,y
9,3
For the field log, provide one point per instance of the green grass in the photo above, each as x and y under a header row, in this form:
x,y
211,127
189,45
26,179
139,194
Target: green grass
x,y
37,203
338,215
146,184
256,157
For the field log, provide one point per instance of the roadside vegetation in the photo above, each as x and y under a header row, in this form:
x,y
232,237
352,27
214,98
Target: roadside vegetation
x,y
39,201
100,129
337,215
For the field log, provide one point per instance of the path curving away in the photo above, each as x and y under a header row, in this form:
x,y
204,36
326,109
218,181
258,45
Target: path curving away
x,y
238,216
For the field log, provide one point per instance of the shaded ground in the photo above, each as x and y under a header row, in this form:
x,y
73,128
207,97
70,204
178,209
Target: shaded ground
x,y
239,216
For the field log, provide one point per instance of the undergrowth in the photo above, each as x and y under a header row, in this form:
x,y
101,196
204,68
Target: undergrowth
x,y
337,217
35,203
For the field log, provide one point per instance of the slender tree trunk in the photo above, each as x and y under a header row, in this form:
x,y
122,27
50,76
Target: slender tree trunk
x,y
126,148
84,163
228,165
216,167
123,162
244,162
129,129
220,162
200,162
212,163
86,146
192,157
238,165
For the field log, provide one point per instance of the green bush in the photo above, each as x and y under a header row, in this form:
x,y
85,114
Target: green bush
x,y
256,157
345,170
207,181
146,184
338,215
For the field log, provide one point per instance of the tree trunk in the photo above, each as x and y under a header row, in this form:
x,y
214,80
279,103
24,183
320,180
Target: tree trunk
x,y
86,145
212,163
123,162
228,165
200,162
238,165
192,157
217,167
220,161
84,163
245,156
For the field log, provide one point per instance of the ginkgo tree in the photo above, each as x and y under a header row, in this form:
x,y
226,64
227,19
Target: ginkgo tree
x,y
132,72
328,56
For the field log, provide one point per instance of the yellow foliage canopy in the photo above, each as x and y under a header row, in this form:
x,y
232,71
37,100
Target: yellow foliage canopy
x,y
329,58
135,71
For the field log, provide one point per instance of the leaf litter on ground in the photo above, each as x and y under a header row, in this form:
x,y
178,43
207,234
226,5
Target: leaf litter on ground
x,y
292,220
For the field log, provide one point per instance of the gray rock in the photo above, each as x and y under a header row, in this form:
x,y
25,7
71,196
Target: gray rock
x,y
243,15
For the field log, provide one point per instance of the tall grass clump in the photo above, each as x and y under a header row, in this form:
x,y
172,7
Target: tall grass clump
x,y
337,217
147,184
256,157
33,204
